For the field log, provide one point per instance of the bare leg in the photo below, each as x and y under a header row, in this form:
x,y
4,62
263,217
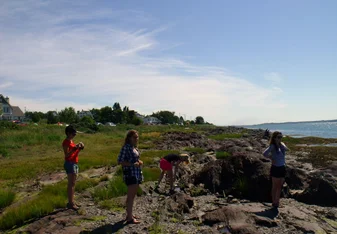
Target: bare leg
x,y
278,190
170,174
273,190
71,188
132,191
161,178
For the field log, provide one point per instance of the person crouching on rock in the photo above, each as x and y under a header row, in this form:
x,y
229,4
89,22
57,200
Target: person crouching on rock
x,y
71,152
132,173
276,152
166,165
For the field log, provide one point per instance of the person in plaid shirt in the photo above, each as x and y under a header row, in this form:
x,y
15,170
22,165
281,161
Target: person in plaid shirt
x,y
132,173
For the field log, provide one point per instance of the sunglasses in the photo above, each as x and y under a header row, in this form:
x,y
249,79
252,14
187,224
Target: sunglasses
x,y
279,137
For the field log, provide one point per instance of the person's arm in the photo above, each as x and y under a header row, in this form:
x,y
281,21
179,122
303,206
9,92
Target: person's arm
x,y
285,147
68,152
266,153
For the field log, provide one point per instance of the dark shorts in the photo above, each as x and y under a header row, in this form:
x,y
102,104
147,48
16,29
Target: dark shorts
x,y
131,180
70,167
278,172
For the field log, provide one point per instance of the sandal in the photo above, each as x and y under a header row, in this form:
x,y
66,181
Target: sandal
x,y
133,221
72,206
134,216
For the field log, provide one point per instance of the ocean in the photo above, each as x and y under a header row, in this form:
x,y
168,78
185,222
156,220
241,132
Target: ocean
x,y
325,129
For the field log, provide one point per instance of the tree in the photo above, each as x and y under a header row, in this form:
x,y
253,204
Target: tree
x,y
52,117
106,114
119,116
199,120
35,117
87,120
68,115
116,106
181,119
96,113
166,117
136,121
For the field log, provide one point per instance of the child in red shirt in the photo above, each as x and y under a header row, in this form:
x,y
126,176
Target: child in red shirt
x,y
71,151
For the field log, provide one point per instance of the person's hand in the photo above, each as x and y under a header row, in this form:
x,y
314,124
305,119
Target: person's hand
x,y
81,145
140,162
136,164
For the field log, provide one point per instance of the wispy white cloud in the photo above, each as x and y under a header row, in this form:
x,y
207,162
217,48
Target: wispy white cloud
x,y
274,77
53,62
5,85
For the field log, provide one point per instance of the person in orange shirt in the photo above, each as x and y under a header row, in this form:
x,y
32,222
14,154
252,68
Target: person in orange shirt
x,y
71,151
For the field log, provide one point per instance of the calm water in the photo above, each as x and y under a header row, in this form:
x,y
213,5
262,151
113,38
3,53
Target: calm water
x,y
319,129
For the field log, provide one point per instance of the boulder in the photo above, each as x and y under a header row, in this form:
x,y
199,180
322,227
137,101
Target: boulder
x,y
245,174
237,221
322,191
180,203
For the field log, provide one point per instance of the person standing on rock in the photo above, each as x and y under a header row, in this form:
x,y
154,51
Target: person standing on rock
x,y
129,158
166,165
277,152
71,152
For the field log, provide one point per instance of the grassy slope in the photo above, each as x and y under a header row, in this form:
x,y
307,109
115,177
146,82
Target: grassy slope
x,y
31,151
35,150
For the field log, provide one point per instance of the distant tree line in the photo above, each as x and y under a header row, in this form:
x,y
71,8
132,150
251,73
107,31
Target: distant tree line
x,y
114,114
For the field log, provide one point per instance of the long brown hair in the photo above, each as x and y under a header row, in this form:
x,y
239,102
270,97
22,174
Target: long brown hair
x,y
273,137
128,137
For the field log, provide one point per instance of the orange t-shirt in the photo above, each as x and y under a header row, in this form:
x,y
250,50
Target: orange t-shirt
x,y
71,145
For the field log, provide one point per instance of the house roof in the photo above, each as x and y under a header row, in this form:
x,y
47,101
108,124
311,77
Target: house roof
x,y
17,111
3,100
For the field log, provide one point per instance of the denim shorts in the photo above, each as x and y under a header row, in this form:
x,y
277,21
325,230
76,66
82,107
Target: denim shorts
x,y
70,167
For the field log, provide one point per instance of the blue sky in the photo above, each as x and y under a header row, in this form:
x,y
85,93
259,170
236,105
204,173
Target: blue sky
x,y
233,62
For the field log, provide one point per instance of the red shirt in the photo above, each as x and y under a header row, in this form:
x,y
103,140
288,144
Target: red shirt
x,y
71,145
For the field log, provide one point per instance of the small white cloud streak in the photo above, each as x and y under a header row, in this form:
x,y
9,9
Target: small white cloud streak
x,y
5,85
93,65
274,77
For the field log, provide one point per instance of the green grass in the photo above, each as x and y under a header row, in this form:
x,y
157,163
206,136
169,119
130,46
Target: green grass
x,y
195,150
85,184
222,155
104,178
224,136
151,174
241,186
112,205
6,198
50,198
115,188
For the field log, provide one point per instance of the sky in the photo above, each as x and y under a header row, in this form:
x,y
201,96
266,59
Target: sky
x,y
232,62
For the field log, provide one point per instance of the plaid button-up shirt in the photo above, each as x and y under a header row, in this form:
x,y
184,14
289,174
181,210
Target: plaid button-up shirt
x,y
130,154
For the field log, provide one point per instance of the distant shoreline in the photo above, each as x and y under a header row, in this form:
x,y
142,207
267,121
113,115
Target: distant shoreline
x,y
299,122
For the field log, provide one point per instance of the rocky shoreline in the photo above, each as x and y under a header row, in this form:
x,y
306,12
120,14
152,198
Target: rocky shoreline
x,y
229,195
